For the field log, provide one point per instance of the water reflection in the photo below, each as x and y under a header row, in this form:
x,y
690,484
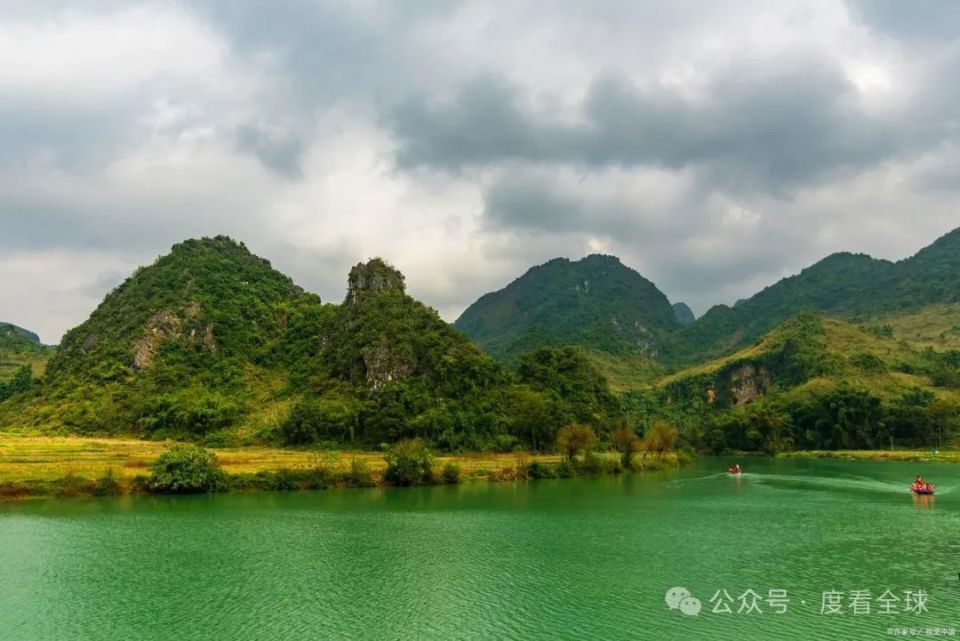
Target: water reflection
x,y
923,501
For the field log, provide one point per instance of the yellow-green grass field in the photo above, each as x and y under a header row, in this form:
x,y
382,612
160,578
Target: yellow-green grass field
x,y
32,465
924,456
46,458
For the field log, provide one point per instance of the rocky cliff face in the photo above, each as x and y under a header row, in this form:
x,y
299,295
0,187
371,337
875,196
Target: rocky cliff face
x,y
168,325
748,383
372,278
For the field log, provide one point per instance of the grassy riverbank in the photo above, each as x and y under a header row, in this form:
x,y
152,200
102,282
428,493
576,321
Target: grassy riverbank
x,y
36,466
924,456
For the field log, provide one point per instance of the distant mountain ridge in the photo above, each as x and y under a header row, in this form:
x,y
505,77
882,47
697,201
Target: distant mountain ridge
x,y
11,334
843,284
20,347
602,306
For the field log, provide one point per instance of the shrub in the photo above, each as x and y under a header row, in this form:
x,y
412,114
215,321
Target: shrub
x,y
283,480
186,469
592,464
72,486
360,475
565,470
538,470
318,478
451,474
523,463
408,463
107,485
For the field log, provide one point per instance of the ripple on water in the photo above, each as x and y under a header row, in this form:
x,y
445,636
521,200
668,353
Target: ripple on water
x,y
586,559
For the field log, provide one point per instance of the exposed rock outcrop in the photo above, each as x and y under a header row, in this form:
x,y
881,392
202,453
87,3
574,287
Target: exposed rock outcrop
x,y
747,383
382,364
371,278
166,325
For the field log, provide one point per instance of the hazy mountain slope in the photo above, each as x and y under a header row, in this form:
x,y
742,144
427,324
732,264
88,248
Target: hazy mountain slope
x,y
19,347
852,286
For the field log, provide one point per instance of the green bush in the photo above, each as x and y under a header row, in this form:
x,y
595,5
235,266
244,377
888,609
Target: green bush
x,y
107,485
451,474
592,464
359,475
538,470
318,478
72,486
565,470
318,419
283,480
409,463
186,469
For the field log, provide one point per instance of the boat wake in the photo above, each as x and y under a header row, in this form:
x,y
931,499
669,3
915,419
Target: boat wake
x,y
816,483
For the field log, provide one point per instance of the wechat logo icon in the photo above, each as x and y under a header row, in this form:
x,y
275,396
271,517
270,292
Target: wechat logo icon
x,y
681,599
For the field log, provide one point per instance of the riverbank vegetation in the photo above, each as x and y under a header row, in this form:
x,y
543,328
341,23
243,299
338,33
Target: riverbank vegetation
x,y
66,467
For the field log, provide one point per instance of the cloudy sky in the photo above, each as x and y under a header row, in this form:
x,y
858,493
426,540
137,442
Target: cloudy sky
x,y
714,146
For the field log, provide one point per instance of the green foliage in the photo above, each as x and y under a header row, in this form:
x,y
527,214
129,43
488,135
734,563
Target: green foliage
x,y
189,412
575,439
320,419
574,392
538,470
360,475
20,348
595,303
186,469
845,285
107,485
451,474
409,462
21,382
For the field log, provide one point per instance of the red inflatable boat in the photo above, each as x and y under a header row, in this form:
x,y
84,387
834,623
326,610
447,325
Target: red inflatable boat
x,y
922,488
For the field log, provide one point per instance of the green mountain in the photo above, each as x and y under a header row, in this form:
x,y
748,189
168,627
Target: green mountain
x,y
22,357
683,314
211,343
174,348
819,383
620,319
20,347
851,286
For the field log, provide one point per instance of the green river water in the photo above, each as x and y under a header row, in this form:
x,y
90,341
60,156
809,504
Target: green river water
x,y
579,559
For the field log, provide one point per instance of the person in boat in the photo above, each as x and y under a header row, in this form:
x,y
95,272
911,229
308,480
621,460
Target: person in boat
x,y
736,468
918,482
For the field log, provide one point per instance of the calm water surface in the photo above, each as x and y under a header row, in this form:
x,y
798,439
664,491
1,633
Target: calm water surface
x,y
584,559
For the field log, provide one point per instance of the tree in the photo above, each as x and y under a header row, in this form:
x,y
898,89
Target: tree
x,y
186,469
317,419
21,382
533,417
626,441
575,438
661,438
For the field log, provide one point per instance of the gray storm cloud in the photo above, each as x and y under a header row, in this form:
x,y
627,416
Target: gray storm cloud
x,y
714,146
